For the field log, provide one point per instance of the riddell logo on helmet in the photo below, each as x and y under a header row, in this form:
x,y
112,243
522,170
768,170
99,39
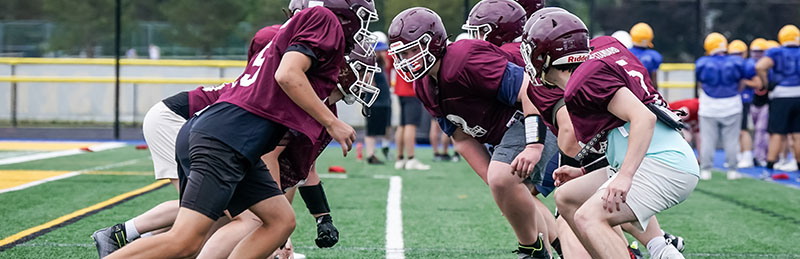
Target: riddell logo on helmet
x,y
577,58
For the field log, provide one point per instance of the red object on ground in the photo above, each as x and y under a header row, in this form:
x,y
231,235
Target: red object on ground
x,y
359,148
141,146
781,176
336,169
86,149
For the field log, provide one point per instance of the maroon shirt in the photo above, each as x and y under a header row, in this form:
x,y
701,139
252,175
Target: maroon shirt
x,y
592,86
204,96
314,29
512,48
260,40
466,91
542,97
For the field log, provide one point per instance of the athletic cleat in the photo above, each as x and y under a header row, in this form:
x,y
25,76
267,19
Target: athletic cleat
x,y
372,160
675,241
456,157
109,239
733,175
705,174
327,234
414,164
669,252
532,252
400,164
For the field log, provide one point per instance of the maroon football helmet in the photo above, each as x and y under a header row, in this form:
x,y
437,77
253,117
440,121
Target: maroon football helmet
x,y
355,79
531,6
495,21
297,5
557,38
417,38
355,16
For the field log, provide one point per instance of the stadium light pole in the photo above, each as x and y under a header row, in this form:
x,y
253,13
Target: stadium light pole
x,y
117,38
700,34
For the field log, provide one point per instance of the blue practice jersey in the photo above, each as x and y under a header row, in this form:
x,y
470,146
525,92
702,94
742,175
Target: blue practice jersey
x,y
650,58
787,65
720,75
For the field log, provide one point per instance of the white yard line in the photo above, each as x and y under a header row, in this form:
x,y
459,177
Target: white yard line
x,y
70,174
333,176
40,156
394,220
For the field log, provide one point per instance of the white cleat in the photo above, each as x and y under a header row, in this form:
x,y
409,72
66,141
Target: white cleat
x,y
745,163
705,174
415,164
669,252
789,165
400,164
733,175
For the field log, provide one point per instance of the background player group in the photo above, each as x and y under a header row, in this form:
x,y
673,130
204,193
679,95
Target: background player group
x,y
605,138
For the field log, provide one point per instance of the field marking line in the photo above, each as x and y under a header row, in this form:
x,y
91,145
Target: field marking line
x,y
31,233
70,174
333,176
394,220
40,156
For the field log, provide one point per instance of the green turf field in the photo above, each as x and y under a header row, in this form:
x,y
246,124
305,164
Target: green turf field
x,y
446,212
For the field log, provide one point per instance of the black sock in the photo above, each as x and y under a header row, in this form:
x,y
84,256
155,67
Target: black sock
x,y
556,244
536,249
400,157
770,165
798,165
410,157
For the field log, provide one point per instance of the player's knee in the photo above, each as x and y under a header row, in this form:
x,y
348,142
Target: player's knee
x,y
283,220
563,201
584,219
500,181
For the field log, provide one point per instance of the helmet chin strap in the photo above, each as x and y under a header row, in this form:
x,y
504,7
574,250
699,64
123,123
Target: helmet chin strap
x,y
349,99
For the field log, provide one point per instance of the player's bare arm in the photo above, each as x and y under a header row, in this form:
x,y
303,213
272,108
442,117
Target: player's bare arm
x,y
472,151
290,75
762,68
627,107
524,162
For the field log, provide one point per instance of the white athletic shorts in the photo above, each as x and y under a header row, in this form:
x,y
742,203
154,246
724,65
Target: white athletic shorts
x,y
160,128
655,188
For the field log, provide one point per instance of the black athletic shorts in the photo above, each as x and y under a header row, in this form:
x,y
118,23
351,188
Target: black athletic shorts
x,y
784,116
378,120
410,111
223,172
745,115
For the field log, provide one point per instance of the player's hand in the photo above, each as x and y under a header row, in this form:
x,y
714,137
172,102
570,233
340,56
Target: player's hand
x,y
525,161
342,133
566,173
616,192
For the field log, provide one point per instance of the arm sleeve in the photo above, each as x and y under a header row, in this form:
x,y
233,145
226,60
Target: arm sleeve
x,y
448,127
510,84
306,51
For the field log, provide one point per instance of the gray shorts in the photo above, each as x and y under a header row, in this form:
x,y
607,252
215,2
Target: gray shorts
x,y
513,143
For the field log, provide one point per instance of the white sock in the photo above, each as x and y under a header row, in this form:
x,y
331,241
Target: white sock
x,y
130,231
656,245
148,234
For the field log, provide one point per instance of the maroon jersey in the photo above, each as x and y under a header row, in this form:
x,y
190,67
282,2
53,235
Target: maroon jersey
x,y
204,96
512,48
260,40
315,32
542,97
545,100
466,90
592,86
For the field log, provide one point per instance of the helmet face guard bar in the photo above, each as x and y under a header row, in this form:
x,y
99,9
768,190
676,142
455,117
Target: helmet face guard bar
x,y
365,40
362,89
415,67
474,31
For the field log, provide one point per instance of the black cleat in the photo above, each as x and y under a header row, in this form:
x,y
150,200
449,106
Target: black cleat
x,y
109,239
372,160
634,252
327,234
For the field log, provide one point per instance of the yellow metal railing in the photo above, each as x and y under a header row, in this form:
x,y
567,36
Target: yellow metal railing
x,y
125,62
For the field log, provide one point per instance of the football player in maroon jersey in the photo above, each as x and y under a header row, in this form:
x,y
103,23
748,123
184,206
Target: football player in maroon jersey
x,y
612,107
227,140
473,90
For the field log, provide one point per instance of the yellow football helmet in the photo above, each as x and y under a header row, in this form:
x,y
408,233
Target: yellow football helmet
x,y
642,35
715,43
771,44
789,35
759,44
737,47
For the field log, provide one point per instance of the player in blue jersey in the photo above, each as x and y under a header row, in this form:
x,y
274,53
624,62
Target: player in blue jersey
x,y
719,76
642,36
784,108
